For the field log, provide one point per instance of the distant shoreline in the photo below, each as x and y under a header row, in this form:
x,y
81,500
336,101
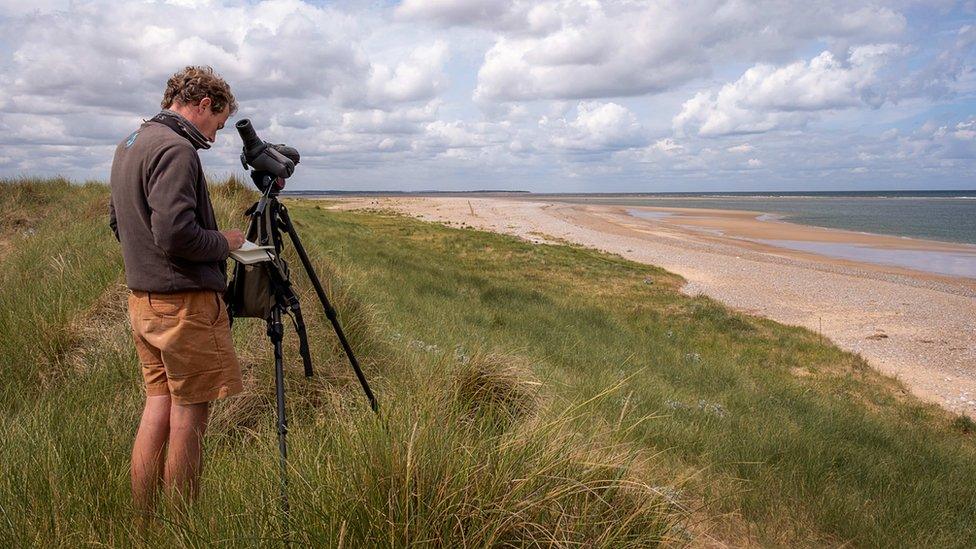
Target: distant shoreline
x,y
894,193
944,216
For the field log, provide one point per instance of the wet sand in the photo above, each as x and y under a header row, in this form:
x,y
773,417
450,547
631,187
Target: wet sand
x,y
916,325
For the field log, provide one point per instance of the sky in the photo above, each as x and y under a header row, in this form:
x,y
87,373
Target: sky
x,y
547,96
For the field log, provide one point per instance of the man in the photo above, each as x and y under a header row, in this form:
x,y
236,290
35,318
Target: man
x,y
175,261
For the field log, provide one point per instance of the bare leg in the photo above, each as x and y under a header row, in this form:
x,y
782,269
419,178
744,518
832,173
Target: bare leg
x,y
184,457
147,453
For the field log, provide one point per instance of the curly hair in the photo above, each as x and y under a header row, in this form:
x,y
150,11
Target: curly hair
x,y
192,84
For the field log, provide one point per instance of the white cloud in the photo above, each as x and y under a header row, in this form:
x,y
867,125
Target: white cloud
x,y
86,74
667,146
589,53
952,72
418,77
965,130
949,141
743,148
597,126
870,21
35,129
458,12
587,49
453,135
403,121
93,56
20,7
765,97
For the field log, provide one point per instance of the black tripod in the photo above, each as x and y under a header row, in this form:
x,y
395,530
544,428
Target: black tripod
x,y
268,219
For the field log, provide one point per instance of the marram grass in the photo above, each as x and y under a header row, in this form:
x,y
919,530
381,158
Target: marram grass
x,y
531,396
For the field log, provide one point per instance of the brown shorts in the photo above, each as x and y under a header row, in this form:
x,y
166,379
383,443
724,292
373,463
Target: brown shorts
x,y
184,345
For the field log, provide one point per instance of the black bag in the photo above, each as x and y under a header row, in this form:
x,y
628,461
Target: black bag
x,y
249,293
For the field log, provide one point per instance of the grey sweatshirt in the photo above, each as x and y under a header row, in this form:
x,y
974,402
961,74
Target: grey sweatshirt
x,y
161,213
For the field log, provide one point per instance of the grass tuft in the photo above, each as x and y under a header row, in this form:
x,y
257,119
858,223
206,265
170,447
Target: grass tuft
x,y
963,424
495,386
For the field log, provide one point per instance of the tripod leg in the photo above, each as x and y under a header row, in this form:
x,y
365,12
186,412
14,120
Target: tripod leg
x,y
330,312
276,333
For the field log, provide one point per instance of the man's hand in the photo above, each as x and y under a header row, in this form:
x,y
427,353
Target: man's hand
x,y
235,238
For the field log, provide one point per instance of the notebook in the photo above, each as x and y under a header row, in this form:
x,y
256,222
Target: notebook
x,y
250,253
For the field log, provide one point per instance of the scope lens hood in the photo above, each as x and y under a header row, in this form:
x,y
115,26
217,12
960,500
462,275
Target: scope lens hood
x,y
277,160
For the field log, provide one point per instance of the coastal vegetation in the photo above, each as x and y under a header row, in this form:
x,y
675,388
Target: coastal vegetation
x,y
530,394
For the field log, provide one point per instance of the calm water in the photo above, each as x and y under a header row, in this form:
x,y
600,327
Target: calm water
x,y
934,215
946,263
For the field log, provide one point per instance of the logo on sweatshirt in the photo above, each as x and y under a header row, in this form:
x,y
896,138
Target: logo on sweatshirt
x,y
131,139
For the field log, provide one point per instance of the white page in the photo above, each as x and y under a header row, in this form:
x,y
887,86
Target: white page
x,y
248,246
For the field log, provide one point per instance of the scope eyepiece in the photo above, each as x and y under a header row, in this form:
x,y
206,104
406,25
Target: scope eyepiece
x,y
248,135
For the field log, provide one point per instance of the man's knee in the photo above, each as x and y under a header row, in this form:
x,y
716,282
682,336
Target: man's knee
x,y
156,412
189,417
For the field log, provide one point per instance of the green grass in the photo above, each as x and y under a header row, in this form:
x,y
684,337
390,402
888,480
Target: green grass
x,y
532,395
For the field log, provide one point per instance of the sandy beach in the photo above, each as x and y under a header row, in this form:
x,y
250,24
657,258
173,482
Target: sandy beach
x,y
907,306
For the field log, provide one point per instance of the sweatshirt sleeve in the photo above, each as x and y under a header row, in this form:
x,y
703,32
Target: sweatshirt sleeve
x,y
113,222
172,199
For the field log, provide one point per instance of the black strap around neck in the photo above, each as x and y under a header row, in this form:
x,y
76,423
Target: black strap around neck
x,y
184,128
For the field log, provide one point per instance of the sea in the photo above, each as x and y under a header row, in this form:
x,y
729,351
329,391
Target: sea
x,y
948,216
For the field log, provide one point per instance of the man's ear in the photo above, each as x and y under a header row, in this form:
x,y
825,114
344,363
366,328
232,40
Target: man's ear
x,y
205,103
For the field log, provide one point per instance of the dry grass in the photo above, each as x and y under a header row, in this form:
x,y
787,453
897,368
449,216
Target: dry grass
x,y
495,385
104,326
